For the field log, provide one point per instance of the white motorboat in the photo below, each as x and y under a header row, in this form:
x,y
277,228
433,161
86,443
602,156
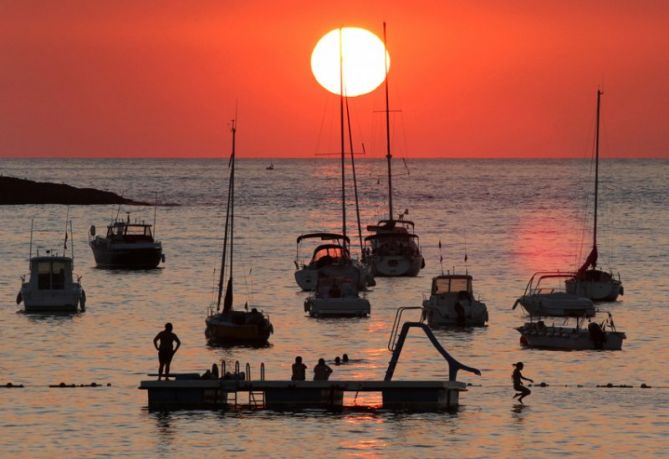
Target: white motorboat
x,y
337,293
51,286
452,302
393,247
223,324
595,336
333,250
589,281
540,300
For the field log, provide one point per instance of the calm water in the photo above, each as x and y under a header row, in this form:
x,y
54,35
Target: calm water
x,y
511,217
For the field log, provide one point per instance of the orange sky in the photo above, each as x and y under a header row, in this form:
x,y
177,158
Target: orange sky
x,y
473,79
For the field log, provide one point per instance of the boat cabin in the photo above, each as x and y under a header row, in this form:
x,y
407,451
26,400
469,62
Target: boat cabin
x,y
51,272
327,254
396,226
452,283
129,231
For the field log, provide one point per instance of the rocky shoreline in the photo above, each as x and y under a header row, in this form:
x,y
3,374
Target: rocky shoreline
x,y
16,191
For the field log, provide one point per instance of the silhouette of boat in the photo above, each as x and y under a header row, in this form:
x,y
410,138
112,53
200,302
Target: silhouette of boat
x,y
452,302
589,281
51,286
539,300
227,326
393,248
595,336
127,245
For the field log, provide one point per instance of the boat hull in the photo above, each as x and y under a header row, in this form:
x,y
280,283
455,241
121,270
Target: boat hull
x,y
224,329
604,290
53,301
396,265
557,304
565,338
337,307
126,256
443,313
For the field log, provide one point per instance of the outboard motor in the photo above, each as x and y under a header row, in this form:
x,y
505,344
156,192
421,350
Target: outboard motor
x,y
597,335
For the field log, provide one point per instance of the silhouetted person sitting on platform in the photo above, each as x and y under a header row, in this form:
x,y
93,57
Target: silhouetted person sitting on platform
x,y
517,377
321,371
166,349
298,370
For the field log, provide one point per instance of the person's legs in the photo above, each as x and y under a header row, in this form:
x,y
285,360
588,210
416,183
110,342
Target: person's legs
x,y
160,370
525,393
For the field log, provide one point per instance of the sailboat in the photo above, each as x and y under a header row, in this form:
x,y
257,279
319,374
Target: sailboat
x,y
226,325
338,282
590,282
393,247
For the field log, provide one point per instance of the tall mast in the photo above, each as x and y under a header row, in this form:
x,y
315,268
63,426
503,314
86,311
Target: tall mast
x,y
355,181
227,222
594,231
341,133
388,155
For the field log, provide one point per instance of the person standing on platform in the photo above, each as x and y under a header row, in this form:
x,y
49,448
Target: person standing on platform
x,y
166,349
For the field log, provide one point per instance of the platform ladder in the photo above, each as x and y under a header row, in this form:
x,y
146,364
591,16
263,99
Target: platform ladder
x,y
256,398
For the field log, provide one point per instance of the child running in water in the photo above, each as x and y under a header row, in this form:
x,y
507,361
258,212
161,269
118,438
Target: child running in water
x,y
517,377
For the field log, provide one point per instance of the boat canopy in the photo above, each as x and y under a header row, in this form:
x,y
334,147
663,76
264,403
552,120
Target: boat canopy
x,y
328,253
451,283
386,236
387,225
324,237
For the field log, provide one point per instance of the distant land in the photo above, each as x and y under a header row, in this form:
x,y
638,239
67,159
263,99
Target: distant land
x,y
16,191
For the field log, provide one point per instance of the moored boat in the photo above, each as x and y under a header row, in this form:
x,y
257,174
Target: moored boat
x,y
452,302
589,281
127,245
594,336
337,293
51,284
539,300
224,325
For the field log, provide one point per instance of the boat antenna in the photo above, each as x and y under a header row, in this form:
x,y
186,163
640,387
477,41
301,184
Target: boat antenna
x,y
32,223
441,259
118,211
355,181
466,270
388,154
155,209
341,132
67,217
71,243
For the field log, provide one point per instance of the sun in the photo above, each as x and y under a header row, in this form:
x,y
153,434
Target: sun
x,y
363,58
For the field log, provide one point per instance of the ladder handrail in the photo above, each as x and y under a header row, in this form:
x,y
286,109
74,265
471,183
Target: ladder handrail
x,y
453,365
398,318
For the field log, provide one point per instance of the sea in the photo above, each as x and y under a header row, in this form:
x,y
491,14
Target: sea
x,y
498,220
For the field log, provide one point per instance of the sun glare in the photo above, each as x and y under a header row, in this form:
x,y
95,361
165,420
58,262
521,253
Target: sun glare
x,y
362,58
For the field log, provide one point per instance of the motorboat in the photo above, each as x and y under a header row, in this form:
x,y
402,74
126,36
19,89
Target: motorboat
x,y
224,325
51,284
541,300
595,335
394,248
127,245
589,281
452,302
332,250
337,293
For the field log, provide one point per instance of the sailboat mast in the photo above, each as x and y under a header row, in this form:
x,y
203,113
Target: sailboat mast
x,y
232,194
388,155
594,231
221,277
341,133
355,180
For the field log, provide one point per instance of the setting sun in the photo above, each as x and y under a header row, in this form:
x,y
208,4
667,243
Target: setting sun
x,y
362,58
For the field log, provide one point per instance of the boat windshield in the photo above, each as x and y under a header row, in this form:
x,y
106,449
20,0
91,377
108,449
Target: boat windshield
x,y
332,252
451,284
51,275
